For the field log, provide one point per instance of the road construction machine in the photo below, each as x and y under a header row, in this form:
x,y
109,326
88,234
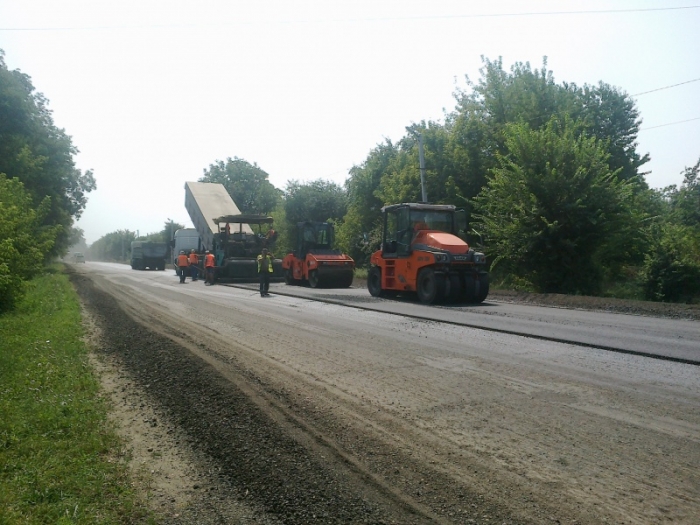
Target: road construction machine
x,y
237,246
315,261
422,253
228,234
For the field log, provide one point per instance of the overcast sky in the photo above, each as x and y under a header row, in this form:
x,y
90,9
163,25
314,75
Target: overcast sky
x,y
153,92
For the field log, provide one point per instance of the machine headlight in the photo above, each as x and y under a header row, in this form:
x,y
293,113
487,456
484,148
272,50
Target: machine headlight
x,y
441,257
479,258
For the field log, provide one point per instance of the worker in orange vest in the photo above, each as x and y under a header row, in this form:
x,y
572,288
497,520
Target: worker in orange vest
x,y
194,264
182,263
209,263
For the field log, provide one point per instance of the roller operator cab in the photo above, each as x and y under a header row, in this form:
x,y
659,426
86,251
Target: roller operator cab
x,y
421,252
314,260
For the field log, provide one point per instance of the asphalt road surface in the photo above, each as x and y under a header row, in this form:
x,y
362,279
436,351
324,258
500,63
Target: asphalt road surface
x,y
378,411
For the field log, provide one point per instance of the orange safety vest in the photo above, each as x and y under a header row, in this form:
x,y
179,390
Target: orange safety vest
x,y
182,260
194,259
209,260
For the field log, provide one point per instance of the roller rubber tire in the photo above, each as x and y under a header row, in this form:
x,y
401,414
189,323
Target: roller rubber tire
x,y
483,288
374,282
454,292
430,287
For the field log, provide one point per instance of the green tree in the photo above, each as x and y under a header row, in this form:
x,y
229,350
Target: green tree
x,y
402,182
671,269
363,217
554,215
285,234
479,123
167,234
461,154
685,203
40,155
612,116
247,184
115,246
319,200
76,240
24,241
483,111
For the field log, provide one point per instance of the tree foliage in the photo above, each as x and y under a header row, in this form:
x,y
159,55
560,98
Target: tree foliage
x,y
364,206
247,184
685,202
319,200
115,246
671,269
40,155
24,241
76,240
462,154
167,234
532,97
553,213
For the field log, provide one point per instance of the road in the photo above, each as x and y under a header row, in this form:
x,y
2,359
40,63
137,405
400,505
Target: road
x,y
446,414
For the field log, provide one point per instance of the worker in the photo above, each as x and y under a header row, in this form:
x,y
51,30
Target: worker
x,y
209,263
264,271
269,238
182,263
194,264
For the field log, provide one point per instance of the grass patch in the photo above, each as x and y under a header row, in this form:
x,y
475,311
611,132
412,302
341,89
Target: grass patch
x,y
361,273
58,453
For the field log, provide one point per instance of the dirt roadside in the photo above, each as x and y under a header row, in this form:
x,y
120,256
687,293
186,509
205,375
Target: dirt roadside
x,y
204,452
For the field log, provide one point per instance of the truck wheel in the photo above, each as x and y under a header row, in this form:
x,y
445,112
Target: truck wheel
x,y
374,282
430,286
313,279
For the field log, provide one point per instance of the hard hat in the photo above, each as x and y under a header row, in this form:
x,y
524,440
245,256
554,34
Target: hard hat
x,y
207,251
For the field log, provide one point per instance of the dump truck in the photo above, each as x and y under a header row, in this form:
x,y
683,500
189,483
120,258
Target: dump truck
x,y
148,255
422,253
228,234
315,261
